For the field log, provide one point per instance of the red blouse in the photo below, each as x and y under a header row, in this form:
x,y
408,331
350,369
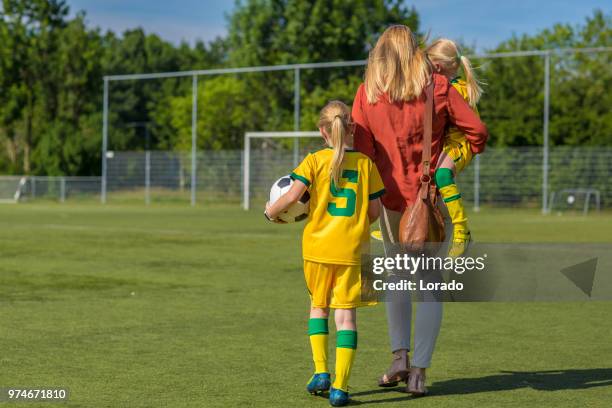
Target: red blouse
x,y
391,134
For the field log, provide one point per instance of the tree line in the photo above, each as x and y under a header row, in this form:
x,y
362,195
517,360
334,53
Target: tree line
x,y
51,70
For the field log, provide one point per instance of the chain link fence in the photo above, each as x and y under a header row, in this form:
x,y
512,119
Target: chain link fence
x,y
29,188
501,177
159,176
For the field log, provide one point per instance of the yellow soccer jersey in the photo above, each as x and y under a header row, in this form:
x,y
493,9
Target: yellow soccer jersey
x,y
454,135
338,224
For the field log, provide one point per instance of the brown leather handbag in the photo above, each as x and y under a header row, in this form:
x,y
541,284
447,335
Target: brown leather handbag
x,y
422,222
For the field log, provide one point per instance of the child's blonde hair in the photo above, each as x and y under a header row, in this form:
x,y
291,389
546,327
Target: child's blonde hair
x,y
396,66
447,55
335,118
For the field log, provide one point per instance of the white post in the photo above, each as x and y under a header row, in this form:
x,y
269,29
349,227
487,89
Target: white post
x,y
296,116
194,121
33,182
147,177
104,140
62,189
477,183
246,172
546,143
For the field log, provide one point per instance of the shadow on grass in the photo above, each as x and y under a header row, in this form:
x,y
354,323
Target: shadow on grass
x,y
553,380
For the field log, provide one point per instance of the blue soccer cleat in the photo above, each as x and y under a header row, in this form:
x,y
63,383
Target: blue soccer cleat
x,y
338,398
318,383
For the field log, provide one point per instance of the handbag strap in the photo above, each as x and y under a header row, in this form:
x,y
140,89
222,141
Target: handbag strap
x,y
427,124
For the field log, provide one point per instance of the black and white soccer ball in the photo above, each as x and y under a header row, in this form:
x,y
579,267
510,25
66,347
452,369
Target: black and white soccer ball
x,y
296,212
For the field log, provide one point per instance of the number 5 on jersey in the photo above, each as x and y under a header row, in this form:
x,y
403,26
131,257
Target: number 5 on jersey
x,y
350,194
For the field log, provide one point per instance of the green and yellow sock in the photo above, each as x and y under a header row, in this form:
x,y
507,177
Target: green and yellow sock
x,y
319,333
346,346
452,198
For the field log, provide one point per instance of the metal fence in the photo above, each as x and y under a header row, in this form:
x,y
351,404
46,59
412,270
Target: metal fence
x,y
510,177
501,177
22,188
166,176
546,56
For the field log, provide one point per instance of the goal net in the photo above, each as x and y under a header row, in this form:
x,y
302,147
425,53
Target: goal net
x,y
271,155
575,199
11,188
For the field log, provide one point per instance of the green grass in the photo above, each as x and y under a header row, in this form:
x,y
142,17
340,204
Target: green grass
x,y
170,306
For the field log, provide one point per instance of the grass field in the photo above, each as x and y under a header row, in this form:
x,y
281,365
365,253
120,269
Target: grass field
x,y
170,306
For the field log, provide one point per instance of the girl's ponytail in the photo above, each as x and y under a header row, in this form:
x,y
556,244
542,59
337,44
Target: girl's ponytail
x,y
335,118
473,88
337,136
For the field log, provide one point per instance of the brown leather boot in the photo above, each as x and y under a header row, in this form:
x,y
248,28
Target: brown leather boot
x,y
398,371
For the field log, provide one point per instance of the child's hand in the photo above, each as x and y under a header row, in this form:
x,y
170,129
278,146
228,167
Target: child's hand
x,y
274,220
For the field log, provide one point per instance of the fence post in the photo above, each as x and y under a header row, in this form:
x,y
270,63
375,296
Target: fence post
x,y
296,116
33,182
246,172
545,142
104,140
62,189
194,121
477,183
148,177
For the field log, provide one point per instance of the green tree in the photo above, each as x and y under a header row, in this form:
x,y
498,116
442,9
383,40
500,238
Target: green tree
x,y
51,69
29,29
224,115
580,99
62,147
270,32
265,32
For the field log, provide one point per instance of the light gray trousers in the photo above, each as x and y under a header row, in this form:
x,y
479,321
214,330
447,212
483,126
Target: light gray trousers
x,y
399,307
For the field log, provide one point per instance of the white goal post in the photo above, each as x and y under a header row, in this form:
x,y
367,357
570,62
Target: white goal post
x,y
574,198
246,168
11,188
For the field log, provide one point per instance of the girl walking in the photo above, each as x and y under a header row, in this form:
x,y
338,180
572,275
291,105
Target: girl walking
x,y
344,189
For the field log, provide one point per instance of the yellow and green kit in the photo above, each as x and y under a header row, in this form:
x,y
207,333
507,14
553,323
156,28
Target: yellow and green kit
x,y
459,150
335,236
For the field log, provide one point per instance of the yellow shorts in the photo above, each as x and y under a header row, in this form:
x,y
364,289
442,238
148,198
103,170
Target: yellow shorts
x,y
460,152
335,286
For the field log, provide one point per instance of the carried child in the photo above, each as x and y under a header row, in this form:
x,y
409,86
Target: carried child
x,y
446,59
344,188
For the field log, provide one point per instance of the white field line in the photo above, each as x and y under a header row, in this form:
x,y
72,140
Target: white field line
x,y
124,229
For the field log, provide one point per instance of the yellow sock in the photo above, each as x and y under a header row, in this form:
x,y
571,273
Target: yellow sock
x,y
452,198
346,346
318,343
318,332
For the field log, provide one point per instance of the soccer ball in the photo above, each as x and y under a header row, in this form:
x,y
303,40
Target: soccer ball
x,y
295,212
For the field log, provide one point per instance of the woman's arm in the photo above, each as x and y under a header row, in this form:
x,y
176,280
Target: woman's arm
x,y
363,139
296,191
467,121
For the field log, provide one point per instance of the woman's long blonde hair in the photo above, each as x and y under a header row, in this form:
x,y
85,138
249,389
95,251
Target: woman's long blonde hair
x,y
447,55
335,118
396,66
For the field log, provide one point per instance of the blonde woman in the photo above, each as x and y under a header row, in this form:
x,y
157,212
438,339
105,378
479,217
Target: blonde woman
x,y
388,112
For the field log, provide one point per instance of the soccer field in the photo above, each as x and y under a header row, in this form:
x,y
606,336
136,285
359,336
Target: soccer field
x,y
171,306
